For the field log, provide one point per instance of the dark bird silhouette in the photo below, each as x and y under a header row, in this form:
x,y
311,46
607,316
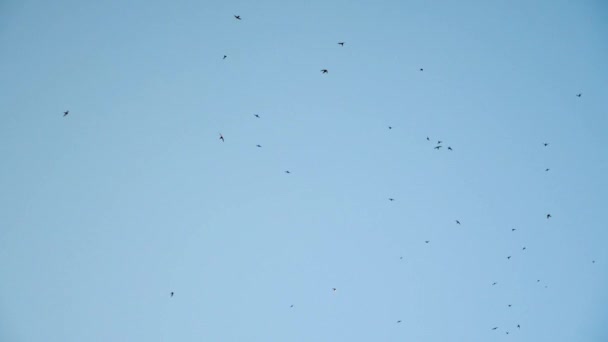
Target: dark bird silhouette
x,y
324,71
258,145
546,144
523,249
256,115
172,294
593,261
390,127
221,137
439,142
494,283
224,57
547,170
509,305
494,328
507,333
401,258
518,326
287,171
341,43
513,229
437,147
548,216
334,289
427,241
509,257
238,17
449,148
391,199
579,94
398,321
66,112
538,280
457,222
291,306
427,138
421,69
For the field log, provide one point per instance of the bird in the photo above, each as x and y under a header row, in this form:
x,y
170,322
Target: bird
x,y
390,127
518,326
449,148
509,305
341,43
238,17
427,241
421,69
224,57
291,306
579,94
438,147
324,71
287,171
334,289
391,199
513,229
439,142
524,248
546,144
548,216
538,280
593,261
258,145
401,258
172,294
256,115
509,257
66,112
494,283
494,328
221,137
547,170
507,333
427,138
457,222
398,321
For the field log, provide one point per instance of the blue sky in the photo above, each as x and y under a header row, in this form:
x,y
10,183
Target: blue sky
x,y
133,196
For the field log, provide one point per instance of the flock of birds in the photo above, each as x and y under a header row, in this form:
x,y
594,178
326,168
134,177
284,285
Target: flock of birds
x,y
437,146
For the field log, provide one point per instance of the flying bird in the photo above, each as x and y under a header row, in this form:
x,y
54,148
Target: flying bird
x,y
258,145
509,305
238,17
324,71
513,229
509,257
256,115
341,43
579,94
390,127
546,144
548,216
437,147
427,138
494,328
291,306
172,294
287,171
66,112
427,241
518,326
449,148
421,69
334,289
391,199
524,248
398,321
224,57
221,137
439,142
593,261
547,170
457,222
494,283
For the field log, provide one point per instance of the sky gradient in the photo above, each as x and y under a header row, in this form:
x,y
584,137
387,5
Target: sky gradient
x,y
132,195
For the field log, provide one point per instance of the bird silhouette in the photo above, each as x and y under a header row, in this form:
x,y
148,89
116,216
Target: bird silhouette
x,y
291,306
593,261
523,249
579,94
324,71
334,289
401,258
494,328
546,144
238,17
390,127
398,321
457,222
509,257
221,137
509,305
224,57
421,69
449,148
341,43
547,170
287,171
513,229
548,216
66,112
427,241
494,283
258,145
518,326
172,294
439,142
256,115
391,199
427,138
437,147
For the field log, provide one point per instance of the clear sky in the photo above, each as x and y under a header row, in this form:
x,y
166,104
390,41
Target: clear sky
x,y
132,196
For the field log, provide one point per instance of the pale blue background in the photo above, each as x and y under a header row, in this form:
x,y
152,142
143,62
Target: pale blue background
x,y
132,195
